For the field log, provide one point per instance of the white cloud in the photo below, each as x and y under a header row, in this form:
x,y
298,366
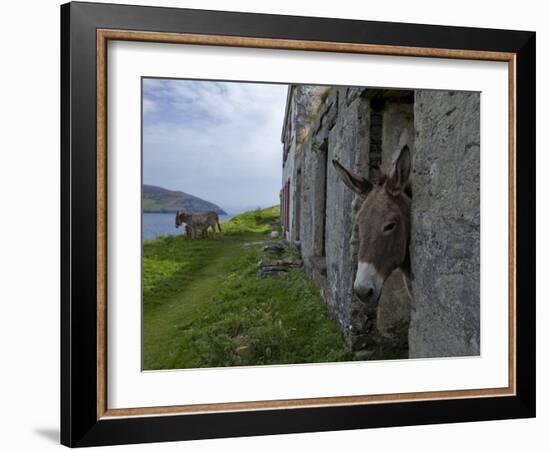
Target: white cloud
x,y
220,141
149,106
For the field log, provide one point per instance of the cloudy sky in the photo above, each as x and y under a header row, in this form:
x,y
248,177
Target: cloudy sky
x,y
217,140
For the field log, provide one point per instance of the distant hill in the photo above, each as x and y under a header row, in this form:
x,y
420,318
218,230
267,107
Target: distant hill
x,y
157,199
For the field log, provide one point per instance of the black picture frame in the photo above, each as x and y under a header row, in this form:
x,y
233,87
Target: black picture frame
x,y
80,425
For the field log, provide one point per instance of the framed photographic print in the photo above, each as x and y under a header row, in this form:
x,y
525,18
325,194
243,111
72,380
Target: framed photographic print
x,y
277,224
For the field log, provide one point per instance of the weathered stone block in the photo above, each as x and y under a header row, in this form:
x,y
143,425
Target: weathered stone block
x,y
445,226
349,144
398,125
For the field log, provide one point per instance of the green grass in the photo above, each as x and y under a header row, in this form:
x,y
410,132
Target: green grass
x,y
204,304
149,204
253,224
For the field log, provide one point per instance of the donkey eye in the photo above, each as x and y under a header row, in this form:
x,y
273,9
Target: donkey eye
x,y
389,227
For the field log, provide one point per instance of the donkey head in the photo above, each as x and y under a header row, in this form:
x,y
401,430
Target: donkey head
x,y
384,225
180,217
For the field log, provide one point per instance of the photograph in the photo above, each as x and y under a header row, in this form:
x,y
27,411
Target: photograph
x,y
288,222
297,224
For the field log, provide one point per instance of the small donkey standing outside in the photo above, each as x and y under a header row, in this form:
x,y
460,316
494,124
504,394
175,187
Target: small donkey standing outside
x,y
198,222
384,221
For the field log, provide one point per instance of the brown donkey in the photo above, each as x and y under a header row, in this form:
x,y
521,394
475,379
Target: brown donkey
x,y
384,221
198,222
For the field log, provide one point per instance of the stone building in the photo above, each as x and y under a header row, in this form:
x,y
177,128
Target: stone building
x,y
363,129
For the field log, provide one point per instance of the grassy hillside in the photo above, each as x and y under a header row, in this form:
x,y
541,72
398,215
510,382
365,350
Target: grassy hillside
x,y
205,306
157,199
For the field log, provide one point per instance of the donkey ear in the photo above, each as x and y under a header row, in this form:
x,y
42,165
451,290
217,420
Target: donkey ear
x,y
355,182
398,180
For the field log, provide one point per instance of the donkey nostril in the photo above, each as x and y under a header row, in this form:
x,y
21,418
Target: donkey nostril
x,y
364,292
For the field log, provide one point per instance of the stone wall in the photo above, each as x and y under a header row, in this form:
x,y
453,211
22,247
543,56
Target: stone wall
x,y
445,225
364,129
302,107
345,127
348,142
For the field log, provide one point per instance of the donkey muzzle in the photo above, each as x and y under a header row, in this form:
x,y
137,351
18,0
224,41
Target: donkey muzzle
x,y
368,283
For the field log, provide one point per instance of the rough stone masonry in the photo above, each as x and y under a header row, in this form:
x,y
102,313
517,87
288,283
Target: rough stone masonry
x,y
363,128
445,225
